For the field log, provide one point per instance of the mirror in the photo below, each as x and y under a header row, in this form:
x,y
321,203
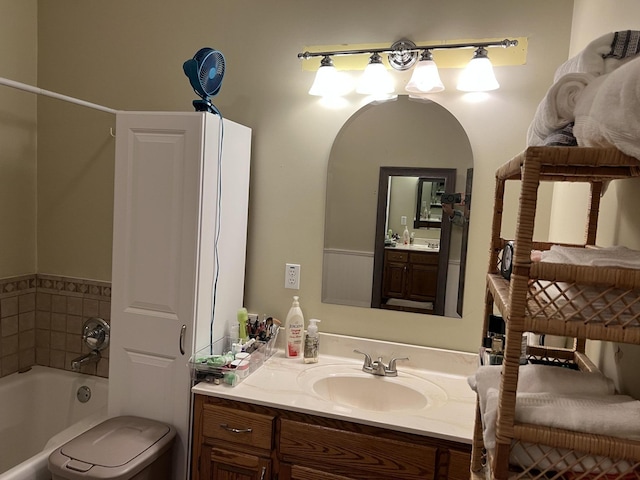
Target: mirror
x,y
421,136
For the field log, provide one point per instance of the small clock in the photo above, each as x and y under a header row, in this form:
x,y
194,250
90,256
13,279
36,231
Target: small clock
x,y
507,260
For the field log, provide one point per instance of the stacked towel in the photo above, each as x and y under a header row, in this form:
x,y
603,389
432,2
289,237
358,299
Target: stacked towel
x,y
618,256
540,378
572,81
614,415
609,117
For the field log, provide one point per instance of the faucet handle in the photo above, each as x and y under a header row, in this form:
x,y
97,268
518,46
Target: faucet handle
x,y
367,359
392,363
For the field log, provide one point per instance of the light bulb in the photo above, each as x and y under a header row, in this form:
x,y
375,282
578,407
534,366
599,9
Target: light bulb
x,y
329,82
376,80
478,75
425,77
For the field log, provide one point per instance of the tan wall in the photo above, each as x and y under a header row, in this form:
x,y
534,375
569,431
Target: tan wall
x,y
128,55
18,62
619,221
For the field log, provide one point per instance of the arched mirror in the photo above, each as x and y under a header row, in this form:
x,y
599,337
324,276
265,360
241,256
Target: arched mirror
x,y
390,166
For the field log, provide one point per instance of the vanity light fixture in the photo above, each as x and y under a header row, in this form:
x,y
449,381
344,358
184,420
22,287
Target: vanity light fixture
x,y
478,76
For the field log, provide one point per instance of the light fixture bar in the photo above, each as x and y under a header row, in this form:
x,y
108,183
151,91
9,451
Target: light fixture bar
x,y
503,43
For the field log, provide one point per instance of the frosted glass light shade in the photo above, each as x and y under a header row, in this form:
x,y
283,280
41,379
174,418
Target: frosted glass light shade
x,y
425,78
376,80
478,76
329,82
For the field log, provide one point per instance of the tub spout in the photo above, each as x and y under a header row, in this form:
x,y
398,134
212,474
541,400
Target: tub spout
x,y
92,357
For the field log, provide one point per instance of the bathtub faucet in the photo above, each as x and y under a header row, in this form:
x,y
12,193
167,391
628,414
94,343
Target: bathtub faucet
x,y
92,357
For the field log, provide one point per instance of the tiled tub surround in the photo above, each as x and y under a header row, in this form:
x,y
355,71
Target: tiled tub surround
x,y
41,318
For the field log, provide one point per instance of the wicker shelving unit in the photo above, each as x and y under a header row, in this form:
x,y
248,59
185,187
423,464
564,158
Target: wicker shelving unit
x,y
575,310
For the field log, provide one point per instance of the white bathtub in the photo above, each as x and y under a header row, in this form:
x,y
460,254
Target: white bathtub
x,y
39,411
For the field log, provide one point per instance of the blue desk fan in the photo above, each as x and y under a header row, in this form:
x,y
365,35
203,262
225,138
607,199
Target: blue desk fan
x,y
205,72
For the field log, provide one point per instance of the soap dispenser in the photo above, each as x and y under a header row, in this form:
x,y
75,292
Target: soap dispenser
x,y
311,342
294,329
405,236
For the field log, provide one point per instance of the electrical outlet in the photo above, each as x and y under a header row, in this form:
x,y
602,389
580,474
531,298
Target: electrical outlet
x,y
292,276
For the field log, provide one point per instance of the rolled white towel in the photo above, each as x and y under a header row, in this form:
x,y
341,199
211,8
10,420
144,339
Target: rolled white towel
x,y
557,108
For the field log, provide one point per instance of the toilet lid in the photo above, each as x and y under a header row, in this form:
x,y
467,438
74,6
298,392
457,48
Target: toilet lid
x,y
115,442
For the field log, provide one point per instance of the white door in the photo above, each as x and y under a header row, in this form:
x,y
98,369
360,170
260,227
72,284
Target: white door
x,y
157,215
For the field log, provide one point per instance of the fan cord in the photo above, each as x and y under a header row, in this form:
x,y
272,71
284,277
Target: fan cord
x,y
217,229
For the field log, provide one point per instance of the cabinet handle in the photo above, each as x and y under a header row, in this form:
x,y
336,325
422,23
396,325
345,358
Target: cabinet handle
x,y
264,471
235,430
181,342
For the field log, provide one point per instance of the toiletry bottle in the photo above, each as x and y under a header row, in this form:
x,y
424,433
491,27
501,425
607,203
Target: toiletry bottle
x,y
311,342
405,236
412,238
243,317
294,328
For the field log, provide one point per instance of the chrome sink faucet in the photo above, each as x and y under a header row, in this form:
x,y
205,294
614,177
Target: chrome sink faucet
x,y
378,367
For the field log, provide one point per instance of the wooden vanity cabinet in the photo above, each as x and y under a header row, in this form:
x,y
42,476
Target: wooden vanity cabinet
x,y
239,441
410,275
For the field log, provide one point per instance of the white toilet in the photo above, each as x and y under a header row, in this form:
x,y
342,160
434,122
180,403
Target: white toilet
x,y
120,448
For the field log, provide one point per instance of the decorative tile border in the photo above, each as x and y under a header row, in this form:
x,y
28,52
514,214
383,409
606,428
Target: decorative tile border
x,y
73,286
13,286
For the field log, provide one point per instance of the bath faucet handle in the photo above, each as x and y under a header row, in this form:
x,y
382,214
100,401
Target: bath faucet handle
x,y
391,369
367,359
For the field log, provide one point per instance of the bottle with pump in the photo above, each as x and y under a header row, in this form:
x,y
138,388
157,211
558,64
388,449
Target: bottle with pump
x,y
405,236
311,342
294,329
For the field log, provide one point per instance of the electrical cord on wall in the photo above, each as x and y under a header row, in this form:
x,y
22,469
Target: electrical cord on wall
x,y
217,233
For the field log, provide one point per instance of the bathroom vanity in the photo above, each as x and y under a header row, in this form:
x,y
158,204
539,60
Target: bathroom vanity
x,y
292,421
409,274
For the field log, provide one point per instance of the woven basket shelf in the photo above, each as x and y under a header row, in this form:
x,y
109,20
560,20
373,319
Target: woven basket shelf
x,y
580,302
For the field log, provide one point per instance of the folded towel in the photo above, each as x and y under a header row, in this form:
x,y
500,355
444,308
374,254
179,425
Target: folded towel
x,y
541,378
609,117
556,110
614,415
617,256
602,55
589,60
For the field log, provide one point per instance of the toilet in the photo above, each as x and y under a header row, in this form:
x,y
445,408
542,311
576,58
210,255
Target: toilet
x,y
120,448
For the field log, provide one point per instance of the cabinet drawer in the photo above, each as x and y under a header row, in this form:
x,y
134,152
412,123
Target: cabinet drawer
x,y
397,256
230,425
459,465
345,452
424,258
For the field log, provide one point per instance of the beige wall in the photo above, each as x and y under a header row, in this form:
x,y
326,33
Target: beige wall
x,y
619,221
18,62
129,55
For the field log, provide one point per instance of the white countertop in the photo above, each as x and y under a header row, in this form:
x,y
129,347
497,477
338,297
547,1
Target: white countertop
x,y
278,383
414,247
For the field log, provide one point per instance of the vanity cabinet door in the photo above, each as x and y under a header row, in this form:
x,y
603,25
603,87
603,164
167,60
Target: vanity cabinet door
x,y
395,275
222,464
422,284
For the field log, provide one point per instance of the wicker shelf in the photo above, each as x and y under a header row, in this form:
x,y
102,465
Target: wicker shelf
x,y
579,302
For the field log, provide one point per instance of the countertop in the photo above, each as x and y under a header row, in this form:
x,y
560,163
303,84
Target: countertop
x,y
279,383
414,248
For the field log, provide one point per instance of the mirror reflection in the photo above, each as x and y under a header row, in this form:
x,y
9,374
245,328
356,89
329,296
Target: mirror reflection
x,y
389,168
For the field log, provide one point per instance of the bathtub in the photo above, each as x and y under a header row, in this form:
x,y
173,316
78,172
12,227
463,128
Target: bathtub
x,y
39,411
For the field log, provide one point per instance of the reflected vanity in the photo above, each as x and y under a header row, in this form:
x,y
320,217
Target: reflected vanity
x,y
389,166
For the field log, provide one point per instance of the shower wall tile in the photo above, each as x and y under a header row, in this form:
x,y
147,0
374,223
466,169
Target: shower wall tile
x,y
41,319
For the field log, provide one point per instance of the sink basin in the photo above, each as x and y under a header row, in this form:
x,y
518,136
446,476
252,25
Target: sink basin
x,y
351,387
